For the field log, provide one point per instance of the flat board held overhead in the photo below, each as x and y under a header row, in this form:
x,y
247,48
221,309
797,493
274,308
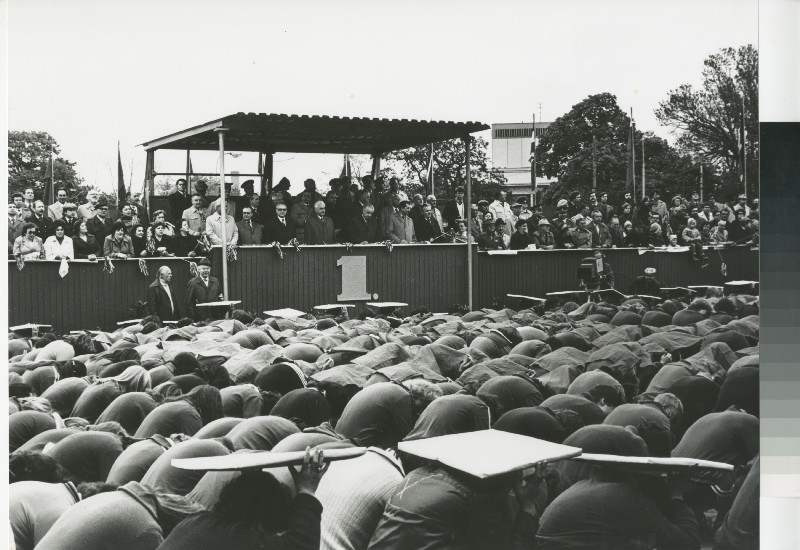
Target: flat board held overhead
x,y
266,459
488,453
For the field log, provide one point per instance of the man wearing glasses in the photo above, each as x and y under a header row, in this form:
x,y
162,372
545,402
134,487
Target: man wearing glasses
x,y
280,227
250,232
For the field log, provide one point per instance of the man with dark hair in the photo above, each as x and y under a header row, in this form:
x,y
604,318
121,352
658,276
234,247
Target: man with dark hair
x,y
44,225
70,216
579,236
605,209
160,299
14,226
56,210
455,210
520,239
202,289
363,229
601,237
250,232
426,228
279,227
245,199
179,201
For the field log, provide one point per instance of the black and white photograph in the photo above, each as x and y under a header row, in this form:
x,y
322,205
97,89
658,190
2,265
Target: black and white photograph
x,y
384,275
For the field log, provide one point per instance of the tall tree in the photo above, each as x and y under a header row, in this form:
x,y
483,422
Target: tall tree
x,y
565,151
708,120
28,158
449,168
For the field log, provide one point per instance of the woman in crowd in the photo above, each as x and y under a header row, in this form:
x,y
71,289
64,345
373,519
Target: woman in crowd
x,y
118,245
139,241
85,245
161,216
28,246
58,246
187,244
128,216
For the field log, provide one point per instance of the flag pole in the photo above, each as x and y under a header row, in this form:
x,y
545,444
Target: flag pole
x,y
633,154
701,179
533,161
52,174
744,149
643,167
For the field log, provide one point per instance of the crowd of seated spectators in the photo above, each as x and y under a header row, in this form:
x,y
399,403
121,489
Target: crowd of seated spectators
x,y
373,212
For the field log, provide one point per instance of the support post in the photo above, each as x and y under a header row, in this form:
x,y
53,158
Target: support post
x,y
268,166
468,212
376,166
189,189
223,212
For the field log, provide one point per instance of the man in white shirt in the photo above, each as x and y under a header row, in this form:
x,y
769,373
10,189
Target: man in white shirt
x,y
215,226
160,298
500,208
56,210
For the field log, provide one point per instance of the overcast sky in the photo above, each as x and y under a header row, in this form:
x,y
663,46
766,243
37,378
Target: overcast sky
x,y
94,72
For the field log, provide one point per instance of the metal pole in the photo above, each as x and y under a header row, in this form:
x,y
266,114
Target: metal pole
x,y
643,163
533,160
701,180
189,189
594,162
744,150
268,170
376,166
221,134
468,212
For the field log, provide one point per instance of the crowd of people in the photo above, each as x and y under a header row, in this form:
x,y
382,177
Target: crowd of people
x,y
96,420
370,213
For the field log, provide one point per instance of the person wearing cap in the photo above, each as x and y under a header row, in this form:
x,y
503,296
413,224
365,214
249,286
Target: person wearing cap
x,y
520,239
100,224
516,215
69,216
489,239
244,199
56,210
215,226
455,210
693,239
543,238
742,205
400,229
88,210
202,289
646,284
230,204
437,214
179,200
561,224
739,230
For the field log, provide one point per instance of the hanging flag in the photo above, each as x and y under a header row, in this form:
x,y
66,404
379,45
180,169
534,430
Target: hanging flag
x,y
630,175
49,195
430,171
346,169
532,157
121,192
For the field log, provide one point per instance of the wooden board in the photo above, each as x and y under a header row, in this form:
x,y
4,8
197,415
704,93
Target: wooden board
x,y
333,306
265,459
523,297
221,303
285,313
381,305
653,463
128,323
488,453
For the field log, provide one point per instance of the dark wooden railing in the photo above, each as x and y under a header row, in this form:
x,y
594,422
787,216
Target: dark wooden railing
x,y
433,276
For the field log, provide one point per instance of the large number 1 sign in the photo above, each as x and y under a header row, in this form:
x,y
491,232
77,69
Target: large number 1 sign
x,y
354,279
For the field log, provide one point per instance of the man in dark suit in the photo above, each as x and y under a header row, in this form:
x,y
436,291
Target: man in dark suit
x,y
279,227
426,227
100,225
455,210
250,232
319,227
44,225
179,201
363,228
160,300
202,289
